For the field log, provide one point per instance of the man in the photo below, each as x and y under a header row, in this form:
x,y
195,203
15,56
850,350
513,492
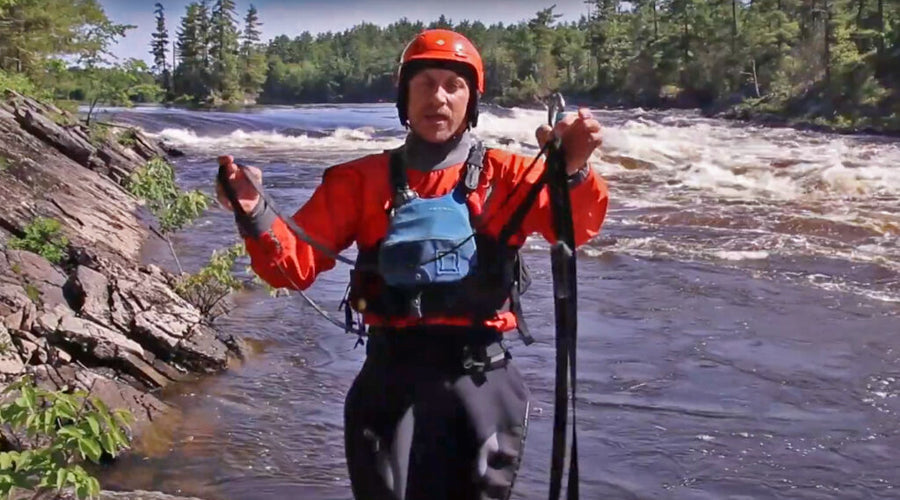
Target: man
x,y
437,410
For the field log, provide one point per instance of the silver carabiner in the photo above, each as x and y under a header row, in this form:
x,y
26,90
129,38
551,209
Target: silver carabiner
x,y
556,108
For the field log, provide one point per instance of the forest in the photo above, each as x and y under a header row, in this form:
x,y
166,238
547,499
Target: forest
x,y
832,62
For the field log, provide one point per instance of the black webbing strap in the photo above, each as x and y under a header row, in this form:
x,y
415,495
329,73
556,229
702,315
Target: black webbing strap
x,y
563,263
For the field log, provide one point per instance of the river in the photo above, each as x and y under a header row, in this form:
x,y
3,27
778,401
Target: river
x,y
739,331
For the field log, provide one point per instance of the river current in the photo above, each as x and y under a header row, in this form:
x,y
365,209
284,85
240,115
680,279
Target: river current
x,y
739,330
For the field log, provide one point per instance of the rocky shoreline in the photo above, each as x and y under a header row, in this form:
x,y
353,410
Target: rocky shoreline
x,y
98,320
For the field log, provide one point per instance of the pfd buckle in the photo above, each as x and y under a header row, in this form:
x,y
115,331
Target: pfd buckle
x,y
470,363
415,306
485,358
473,177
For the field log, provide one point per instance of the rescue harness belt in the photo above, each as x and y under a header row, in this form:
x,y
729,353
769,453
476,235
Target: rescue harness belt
x,y
563,264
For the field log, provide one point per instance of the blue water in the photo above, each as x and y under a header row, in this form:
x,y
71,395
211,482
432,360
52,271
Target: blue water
x,y
699,378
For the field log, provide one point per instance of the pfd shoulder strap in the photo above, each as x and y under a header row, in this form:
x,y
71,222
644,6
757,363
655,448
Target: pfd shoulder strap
x,y
402,193
474,166
469,180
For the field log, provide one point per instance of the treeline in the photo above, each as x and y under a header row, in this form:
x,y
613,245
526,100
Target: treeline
x,y
838,60
831,60
217,63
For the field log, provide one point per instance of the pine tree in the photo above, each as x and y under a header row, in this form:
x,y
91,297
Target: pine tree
x,y
253,59
223,50
189,75
204,39
608,44
159,48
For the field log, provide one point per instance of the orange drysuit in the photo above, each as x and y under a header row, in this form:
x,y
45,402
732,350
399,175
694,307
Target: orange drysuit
x,y
350,205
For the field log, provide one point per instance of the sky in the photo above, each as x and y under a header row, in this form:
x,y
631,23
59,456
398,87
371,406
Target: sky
x,y
292,17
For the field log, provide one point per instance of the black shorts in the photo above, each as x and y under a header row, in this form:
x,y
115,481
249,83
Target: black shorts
x,y
424,421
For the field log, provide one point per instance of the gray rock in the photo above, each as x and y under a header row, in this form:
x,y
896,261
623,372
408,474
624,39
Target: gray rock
x,y
31,348
92,338
144,406
107,495
41,281
88,292
109,321
33,267
10,361
70,144
16,308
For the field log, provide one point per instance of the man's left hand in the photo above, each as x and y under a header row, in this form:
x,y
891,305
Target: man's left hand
x,y
580,134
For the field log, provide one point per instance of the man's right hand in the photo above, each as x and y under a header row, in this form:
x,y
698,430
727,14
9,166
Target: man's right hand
x,y
247,195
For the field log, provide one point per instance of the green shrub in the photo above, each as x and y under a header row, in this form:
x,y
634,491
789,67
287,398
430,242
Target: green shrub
x,y
70,428
127,138
155,183
99,133
210,285
21,84
42,237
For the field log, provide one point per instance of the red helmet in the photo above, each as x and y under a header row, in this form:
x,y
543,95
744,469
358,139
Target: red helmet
x,y
440,47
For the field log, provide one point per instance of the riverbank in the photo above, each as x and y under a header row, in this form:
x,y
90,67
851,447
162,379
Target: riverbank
x,y
83,312
810,116
811,113
761,114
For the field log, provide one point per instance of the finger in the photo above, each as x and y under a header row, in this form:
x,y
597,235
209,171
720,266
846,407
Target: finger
x,y
592,126
566,122
232,170
222,198
543,134
226,160
585,113
254,174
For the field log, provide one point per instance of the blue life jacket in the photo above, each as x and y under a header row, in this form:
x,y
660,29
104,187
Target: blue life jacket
x,y
429,240
431,260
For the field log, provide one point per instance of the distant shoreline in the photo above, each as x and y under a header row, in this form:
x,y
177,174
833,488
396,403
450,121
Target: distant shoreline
x,y
728,113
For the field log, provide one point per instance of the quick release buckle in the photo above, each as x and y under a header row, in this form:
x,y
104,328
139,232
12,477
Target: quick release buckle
x,y
484,358
473,176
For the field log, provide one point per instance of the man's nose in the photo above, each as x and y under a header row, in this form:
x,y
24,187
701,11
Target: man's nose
x,y
439,94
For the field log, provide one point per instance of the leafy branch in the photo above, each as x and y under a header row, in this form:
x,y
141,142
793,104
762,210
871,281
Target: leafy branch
x,y
213,283
174,209
72,427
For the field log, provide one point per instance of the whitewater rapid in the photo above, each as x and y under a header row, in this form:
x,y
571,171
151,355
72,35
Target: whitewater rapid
x,y
683,186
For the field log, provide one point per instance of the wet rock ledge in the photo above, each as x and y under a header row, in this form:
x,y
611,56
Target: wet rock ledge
x,y
98,320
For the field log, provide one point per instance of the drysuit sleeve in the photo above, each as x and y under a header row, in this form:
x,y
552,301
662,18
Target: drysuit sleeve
x,y
588,192
329,217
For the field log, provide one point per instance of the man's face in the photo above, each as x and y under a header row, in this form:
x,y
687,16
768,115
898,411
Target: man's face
x,y
437,104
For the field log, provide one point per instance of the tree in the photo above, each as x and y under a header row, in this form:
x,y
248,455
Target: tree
x,y
159,48
223,49
204,38
442,22
609,44
119,85
253,59
34,31
191,75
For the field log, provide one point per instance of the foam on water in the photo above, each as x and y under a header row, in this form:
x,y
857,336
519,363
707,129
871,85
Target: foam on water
x,y
717,161
358,139
700,189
